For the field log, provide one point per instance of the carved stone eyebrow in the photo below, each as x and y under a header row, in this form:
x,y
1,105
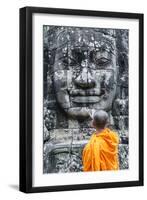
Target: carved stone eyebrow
x,y
104,46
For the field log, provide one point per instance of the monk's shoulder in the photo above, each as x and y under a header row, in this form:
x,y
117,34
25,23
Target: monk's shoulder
x,y
114,133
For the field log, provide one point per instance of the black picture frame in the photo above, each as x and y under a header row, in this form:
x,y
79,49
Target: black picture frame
x,y
26,92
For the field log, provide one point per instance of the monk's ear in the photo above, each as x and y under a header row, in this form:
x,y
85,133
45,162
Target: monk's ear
x,y
93,123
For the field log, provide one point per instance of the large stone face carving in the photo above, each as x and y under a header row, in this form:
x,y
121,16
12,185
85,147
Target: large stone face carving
x,y
83,68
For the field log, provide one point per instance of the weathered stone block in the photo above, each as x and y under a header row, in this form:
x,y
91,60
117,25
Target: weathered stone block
x,y
124,156
120,107
121,122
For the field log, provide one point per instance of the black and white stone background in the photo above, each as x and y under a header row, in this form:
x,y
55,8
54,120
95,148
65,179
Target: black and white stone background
x,y
64,134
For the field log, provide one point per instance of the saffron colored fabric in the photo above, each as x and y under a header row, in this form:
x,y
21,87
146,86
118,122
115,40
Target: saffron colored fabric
x,y
101,152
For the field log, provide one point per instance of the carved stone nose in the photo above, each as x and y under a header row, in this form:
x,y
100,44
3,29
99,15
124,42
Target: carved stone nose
x,y
85,79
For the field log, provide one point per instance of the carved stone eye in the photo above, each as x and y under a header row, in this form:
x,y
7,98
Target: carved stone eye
x,y
102,61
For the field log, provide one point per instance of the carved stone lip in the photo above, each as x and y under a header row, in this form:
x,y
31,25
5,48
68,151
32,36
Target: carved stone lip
x,y
85,93
86,99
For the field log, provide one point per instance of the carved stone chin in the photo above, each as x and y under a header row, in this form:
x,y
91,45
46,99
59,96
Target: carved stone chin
x,y
78,112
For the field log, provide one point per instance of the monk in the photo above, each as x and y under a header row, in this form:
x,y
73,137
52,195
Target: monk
x,y
101,152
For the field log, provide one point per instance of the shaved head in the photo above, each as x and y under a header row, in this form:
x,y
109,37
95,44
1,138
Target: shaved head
x,y
100,118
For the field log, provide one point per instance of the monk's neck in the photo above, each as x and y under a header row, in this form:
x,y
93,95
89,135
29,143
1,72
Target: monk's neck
x,y
99,130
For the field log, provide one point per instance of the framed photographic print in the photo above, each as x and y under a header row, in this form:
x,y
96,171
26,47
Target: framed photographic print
x,y
81,99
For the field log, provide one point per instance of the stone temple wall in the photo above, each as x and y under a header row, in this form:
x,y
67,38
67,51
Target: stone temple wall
x,y
65,136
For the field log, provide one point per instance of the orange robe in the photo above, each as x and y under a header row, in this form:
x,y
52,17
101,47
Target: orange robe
x,y
101,152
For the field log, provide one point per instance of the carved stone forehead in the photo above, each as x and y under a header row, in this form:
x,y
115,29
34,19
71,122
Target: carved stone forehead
x,y
80,35
85,37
